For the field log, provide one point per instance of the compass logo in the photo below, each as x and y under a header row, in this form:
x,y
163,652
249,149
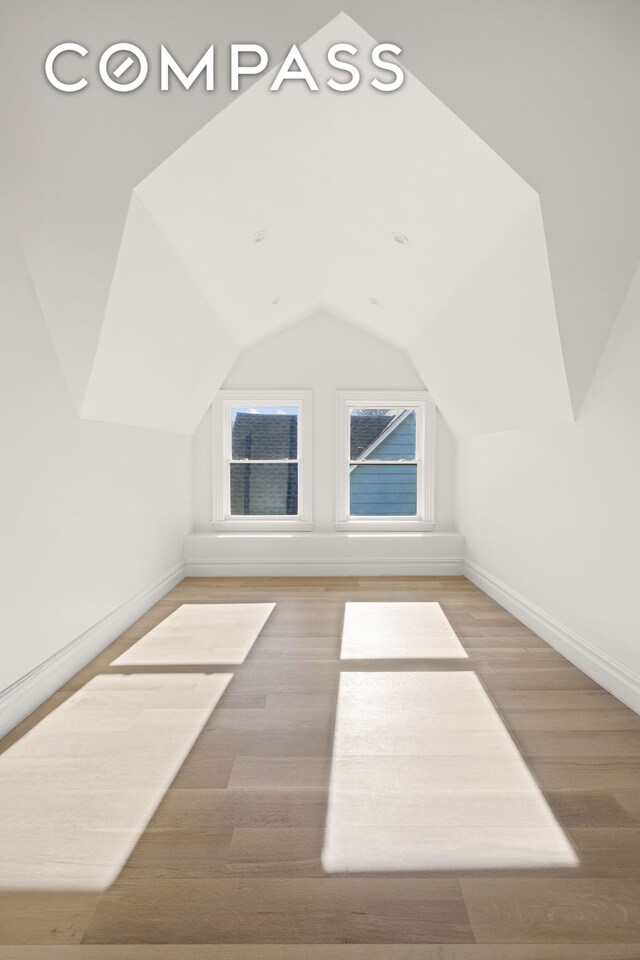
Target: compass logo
x,y
124,67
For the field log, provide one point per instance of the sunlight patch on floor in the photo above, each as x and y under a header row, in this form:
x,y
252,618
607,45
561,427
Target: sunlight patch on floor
x,y
202,633
425,776
77,791
397,631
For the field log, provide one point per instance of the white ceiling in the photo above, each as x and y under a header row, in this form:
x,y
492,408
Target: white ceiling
x,y
553,88
329,178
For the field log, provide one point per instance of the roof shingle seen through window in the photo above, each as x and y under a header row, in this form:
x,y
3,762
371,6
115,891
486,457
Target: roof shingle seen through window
x,y
365,429
264,436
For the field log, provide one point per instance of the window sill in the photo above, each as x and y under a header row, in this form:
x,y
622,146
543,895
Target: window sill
x,y
391,525
253,526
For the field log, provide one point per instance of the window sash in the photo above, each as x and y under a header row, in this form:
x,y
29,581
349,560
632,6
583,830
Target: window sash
x,y
416,462
223,459
423,462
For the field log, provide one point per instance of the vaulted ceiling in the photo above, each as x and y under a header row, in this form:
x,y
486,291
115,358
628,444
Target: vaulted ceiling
x,y
383,208
330,178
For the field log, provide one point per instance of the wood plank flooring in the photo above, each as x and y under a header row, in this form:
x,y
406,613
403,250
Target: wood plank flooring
x,y
229,865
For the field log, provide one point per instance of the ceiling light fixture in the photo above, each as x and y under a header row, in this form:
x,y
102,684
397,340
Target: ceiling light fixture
x,y
259,236
374,301
276,300
400,238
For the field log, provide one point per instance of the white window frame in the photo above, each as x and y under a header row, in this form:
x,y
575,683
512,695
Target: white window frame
x,y
225,401
425,409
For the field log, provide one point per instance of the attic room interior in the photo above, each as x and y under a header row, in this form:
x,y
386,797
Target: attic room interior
x,y
321,433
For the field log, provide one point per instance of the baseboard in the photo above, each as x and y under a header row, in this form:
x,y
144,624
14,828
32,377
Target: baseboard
x,y
608,671
25,695
431,567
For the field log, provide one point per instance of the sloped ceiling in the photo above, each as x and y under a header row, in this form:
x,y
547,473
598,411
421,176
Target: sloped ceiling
x,y
554,88
378,207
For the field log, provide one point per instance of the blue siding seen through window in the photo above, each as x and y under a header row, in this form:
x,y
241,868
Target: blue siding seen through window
x,y
384,490
387,489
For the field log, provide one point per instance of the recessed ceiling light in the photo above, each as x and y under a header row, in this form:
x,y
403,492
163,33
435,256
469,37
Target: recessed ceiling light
x,y
276,300
400,238
374,301
259,236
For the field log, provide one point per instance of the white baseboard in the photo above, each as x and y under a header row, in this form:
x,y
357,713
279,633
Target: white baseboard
x,y
608,671
26,694
431,567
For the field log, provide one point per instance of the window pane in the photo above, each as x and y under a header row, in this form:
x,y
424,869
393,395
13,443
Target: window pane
x,y
386,434
264,433
383,490
264,489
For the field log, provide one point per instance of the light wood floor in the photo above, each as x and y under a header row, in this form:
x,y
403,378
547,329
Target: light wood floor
x,y
232,853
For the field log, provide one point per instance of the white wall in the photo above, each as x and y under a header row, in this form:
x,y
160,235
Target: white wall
x,y
554,514
91,513
323,354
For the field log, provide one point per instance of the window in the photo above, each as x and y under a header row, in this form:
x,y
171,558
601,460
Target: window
x,y
385,471
263,450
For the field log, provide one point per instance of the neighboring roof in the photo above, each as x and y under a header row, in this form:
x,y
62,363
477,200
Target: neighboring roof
x,y
365,430
385,432
264,436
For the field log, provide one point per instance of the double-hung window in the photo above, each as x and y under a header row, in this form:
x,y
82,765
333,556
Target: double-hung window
x,y
263,479
385,469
